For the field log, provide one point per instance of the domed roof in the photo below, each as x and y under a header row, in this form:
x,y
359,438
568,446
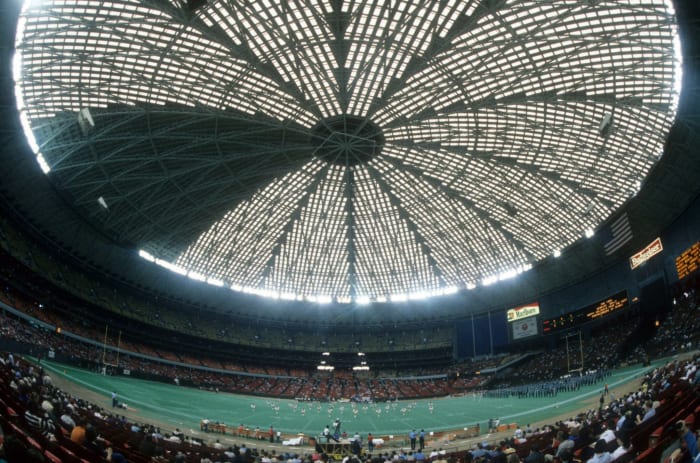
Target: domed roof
x,y
353,150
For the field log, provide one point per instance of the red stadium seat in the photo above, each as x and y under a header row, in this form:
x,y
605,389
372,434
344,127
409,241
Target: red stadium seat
x,y
51,457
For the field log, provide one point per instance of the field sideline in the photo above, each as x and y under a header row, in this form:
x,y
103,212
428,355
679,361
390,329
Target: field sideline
x,y
184,407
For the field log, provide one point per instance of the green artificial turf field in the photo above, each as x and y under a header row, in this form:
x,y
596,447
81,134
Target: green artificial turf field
x,y
185,407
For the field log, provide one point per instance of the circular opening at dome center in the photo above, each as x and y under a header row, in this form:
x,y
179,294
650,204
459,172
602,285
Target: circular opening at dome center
x,y
346,140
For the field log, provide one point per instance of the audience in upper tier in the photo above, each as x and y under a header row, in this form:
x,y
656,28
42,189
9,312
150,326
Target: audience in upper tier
x,y
542,374
618,429
42,422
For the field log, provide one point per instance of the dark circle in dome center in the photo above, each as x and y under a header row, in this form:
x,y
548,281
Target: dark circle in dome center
x,y
346,140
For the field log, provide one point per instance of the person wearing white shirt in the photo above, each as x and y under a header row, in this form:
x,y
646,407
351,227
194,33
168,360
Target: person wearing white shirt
x,y
623,446
609,434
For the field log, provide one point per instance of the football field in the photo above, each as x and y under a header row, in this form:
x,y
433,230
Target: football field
x,y
185,407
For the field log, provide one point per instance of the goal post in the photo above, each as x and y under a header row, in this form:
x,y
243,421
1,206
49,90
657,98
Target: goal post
x,y
106,365
574,352
107,369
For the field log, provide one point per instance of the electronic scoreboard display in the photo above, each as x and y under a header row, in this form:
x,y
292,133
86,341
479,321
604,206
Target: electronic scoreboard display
x,y
589,313
688,261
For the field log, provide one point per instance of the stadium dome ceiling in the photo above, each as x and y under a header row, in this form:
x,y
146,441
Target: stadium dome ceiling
x,y
348,149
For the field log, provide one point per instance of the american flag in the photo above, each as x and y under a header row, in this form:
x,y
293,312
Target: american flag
x,y
618,234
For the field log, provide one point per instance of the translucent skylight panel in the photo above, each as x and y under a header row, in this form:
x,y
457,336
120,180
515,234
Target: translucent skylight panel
x,y
434,217
391,245
482,120
247,231
309,254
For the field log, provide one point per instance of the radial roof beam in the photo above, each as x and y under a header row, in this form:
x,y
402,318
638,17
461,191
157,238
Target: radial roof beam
x,y
458,196
298,207
411,225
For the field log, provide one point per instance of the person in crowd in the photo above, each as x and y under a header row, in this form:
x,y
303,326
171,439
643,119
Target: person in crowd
x,y
336,427
623,446
649,412
482,452
535,455
608,434
689,440
566,456
511,455
496,454
328,435
77,435
518,434
565,443
356,447
67,420
601,454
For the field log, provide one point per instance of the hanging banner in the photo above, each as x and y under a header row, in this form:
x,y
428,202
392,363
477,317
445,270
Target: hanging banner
x,y
525,311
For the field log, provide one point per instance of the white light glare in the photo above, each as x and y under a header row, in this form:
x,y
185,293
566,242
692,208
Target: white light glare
x,y
589,233
449,290
362,300
263,292
556,253
45,168
172,267
506,275
678,61
637,187
147,255
196,276
23,118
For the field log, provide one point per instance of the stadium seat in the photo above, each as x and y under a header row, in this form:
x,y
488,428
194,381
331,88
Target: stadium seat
x,y
51,457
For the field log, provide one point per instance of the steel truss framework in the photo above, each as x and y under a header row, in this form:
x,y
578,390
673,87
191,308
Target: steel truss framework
x,y
349,149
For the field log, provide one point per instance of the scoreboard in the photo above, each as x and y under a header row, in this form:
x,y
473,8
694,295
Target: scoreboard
x,y
688,261
589,313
